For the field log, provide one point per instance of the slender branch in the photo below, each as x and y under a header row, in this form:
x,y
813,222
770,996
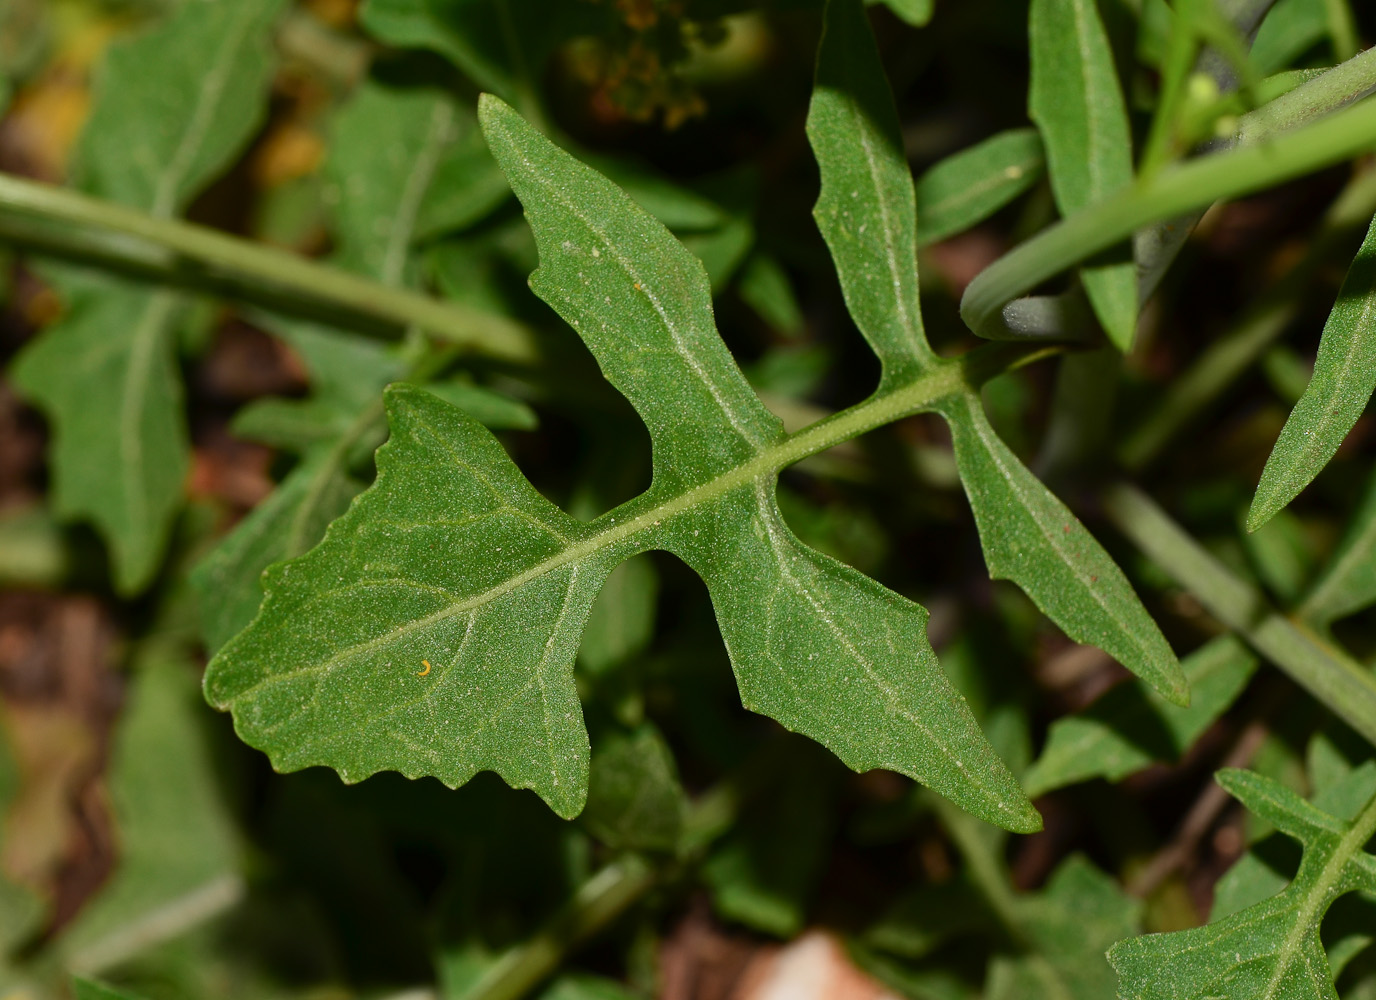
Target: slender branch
x,y
1344,686
1171,193
984,861
617,887
598,901
1201,817
178,252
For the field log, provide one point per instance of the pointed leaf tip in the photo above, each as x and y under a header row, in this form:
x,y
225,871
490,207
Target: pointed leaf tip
x,y
1339,391
1261,511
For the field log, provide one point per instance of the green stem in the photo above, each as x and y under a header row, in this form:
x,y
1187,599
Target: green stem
x,y
945,378
1343,84
985,865
1175,191
598,901
1231,354
182,252
1344,686
618,886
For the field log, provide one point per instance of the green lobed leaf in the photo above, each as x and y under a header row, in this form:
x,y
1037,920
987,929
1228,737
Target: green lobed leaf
x,y
866,215
173,107
1069,925
407,164
1344,379
1130,727
971,185
1078,106
106,375
1254,878
347,376
287,523
1347,583
1269,950
452,548
635,801
179,855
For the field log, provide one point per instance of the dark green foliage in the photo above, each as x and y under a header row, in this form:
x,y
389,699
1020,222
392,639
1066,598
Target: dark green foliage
x,y
462,386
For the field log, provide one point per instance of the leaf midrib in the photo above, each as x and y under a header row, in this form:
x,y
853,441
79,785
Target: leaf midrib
x,y
1085,579
913,333
971,192
153,321
642,284
1317,894
893,701
945,378
418,180
1093,119
213,88
1316,440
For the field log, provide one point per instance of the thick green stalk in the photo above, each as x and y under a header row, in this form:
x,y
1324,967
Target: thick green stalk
x,y
1231,354
1343,84
1171,193
185,253
1341,684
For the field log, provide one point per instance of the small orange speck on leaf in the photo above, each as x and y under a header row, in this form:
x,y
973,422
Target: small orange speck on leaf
x,y
422,673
